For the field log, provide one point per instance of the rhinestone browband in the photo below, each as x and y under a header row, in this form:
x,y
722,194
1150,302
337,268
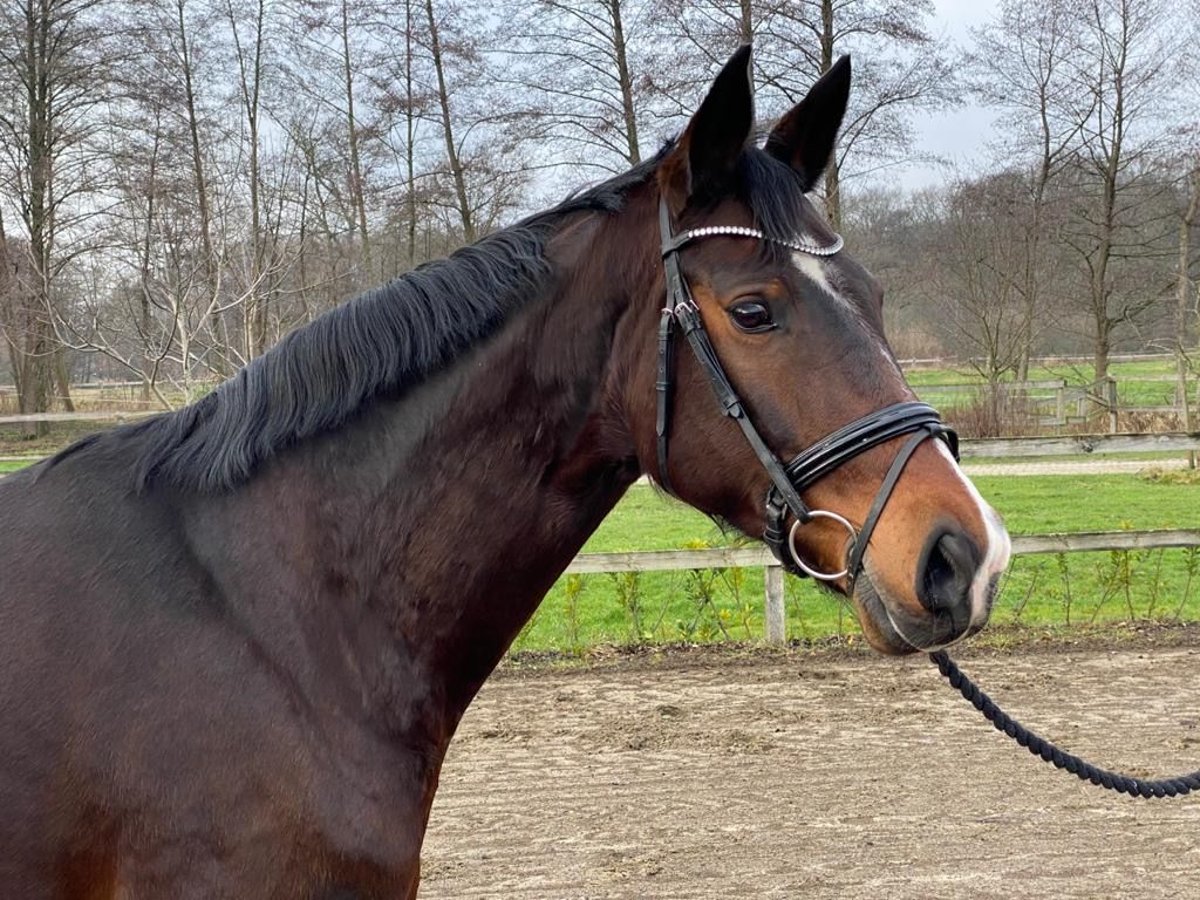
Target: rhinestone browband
x,y
742,231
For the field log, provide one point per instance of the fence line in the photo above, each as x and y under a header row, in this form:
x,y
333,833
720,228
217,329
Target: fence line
x,y
947,362
774,616
1050,403
99,416
1065,445
1070,445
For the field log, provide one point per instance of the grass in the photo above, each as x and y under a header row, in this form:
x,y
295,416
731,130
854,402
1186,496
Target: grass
x,y
1039,591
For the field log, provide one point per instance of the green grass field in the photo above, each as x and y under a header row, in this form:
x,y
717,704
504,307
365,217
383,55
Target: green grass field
x,y
1039,591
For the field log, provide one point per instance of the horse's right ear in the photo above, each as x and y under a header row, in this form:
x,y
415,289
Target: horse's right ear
x,y
805,136
702,163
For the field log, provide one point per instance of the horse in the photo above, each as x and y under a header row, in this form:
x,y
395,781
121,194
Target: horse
x,y
237,638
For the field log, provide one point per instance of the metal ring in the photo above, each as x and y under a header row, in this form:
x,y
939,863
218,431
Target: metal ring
x,y
805,567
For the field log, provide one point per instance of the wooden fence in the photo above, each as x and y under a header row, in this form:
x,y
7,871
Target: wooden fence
x,y
974,448
774,618
98,416
1048,403
1056,403
1072,445
1064,445
954,362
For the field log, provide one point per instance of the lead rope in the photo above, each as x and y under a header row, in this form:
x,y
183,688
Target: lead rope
x,y
1039,746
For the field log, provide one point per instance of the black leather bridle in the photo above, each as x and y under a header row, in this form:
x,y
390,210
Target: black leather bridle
x,y
919,420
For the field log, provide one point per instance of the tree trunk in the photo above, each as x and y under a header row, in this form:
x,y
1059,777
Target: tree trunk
x,y
146,324
746,23
259,307
631,134
1183,290
410,122
833,197
62,378
38,353
216,321
357,192
1029,281
456,168
254,311
1102,348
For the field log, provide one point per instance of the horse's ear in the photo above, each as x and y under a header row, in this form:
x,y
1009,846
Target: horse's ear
x,y
804,137
702,163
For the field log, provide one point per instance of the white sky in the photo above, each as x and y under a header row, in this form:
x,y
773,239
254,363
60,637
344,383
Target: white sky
x,y
960,136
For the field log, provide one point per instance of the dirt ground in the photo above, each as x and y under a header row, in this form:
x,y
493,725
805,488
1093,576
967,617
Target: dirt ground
x,y
818,775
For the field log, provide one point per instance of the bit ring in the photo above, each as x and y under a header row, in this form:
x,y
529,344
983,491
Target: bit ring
x,y
805,567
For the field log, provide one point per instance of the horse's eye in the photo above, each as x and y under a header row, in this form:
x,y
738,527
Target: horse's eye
x,y
751,316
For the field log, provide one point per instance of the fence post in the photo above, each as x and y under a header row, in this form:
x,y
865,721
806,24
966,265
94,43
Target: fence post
x,y
1110,390
1187,423
776,630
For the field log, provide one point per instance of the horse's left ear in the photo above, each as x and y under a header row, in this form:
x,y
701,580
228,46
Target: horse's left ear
x,y
703,161
804,137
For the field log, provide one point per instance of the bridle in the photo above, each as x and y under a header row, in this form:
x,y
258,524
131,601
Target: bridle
x,y
919,420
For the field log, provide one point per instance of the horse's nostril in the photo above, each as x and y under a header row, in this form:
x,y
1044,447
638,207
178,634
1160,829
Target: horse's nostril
x,y
951,560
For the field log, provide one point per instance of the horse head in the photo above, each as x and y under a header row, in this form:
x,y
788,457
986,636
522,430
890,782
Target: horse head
x,y
787,329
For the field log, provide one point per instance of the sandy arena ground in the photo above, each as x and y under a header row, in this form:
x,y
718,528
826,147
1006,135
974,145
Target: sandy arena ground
x,y
820,775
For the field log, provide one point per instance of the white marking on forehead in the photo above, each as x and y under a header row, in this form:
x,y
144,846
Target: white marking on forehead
x,y
815,270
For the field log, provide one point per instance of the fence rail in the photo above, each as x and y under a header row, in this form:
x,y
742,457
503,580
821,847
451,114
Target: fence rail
x,y
1070,445
1066,445
774,618
951,362
98,416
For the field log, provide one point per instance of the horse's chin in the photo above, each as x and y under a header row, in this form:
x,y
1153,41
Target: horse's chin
x,y
878,627
893,631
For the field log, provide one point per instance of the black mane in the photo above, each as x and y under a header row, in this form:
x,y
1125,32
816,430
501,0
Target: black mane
x,y
393,337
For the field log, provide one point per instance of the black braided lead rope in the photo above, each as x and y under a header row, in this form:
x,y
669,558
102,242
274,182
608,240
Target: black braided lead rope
x,y
1039,746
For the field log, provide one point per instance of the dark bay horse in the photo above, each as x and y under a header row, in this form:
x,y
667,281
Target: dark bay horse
x,y
236,639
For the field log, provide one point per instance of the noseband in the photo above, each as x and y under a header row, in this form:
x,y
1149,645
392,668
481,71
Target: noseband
x,y
919,420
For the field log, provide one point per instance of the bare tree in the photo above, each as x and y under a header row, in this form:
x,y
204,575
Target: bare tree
x,y
453,157
582,65
333,47
247,21
1187,290
1122,114
975,276
1022,64
55,60
1187,296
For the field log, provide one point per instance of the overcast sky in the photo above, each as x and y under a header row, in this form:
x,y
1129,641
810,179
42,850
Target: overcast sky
x,y
960,136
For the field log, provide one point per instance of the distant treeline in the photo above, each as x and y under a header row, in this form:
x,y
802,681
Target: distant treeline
x,y
183,181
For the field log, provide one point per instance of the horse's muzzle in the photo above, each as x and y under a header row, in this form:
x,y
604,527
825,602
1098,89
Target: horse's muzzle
x,y
954,595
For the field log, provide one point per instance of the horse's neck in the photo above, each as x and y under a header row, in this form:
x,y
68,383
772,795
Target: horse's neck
x,y
436,523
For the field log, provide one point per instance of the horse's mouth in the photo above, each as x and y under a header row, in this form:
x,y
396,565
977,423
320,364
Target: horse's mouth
x,y
891,630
